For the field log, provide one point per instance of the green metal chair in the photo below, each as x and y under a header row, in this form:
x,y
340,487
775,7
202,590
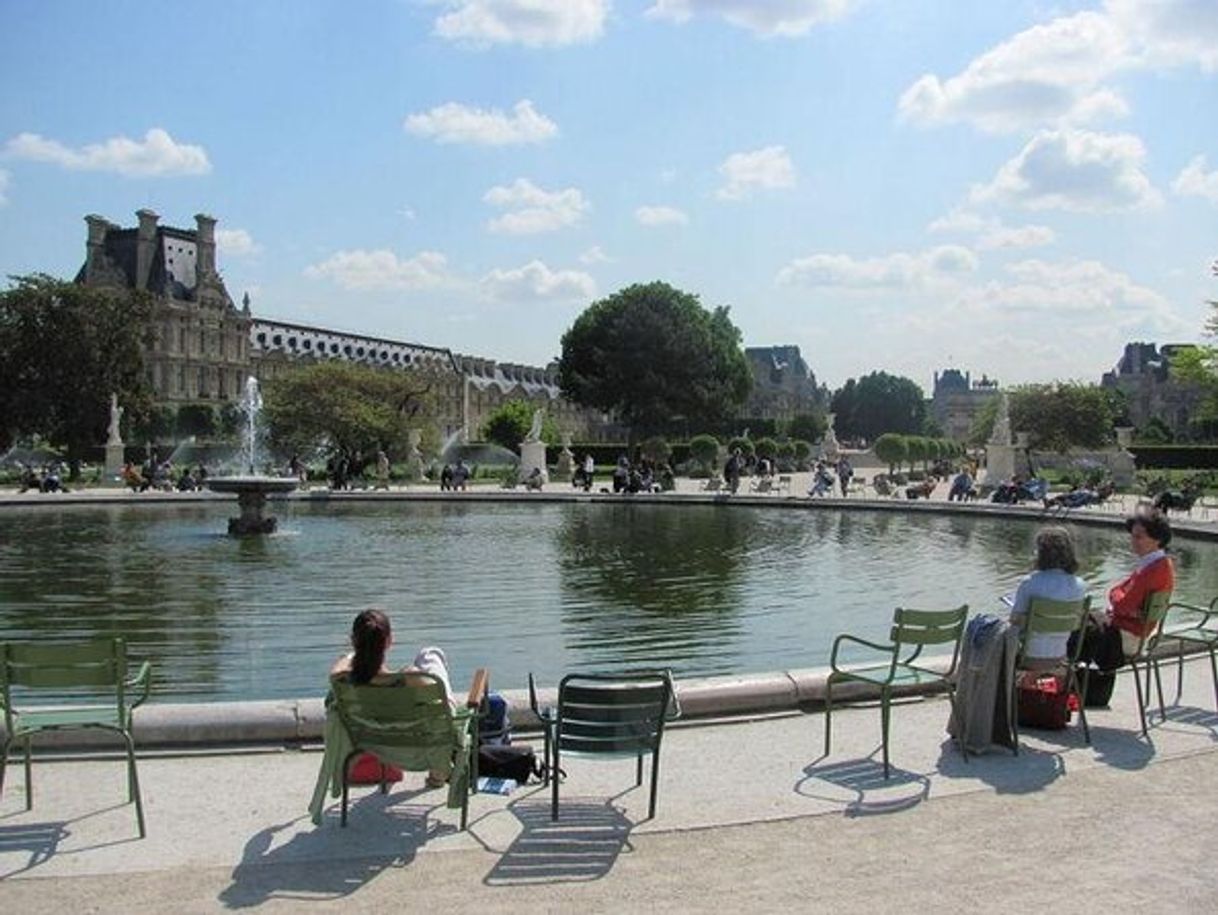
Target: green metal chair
x,y
615,716
411,725
911,629
1154,612
99,664
1197,627
1056,617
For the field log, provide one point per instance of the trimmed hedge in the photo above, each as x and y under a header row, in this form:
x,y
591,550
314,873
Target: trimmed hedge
x,y
1175,457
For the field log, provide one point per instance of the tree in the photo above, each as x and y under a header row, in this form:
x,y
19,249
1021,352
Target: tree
x,y
892,450
808,426
348,406
705,450
766,447
511,422
656,449
197,419
1056,416
1199,366
879,403
64,348
655,357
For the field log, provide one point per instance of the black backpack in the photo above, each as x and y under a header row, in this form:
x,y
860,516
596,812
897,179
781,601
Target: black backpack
x,y
514,761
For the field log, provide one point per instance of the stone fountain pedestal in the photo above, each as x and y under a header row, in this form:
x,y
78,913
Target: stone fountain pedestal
x,y
114,464
251,495
533,454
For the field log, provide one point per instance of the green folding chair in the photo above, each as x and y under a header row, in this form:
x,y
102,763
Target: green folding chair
x,y
912,630
1056,617
100,664
608,716
1154,612
1191,625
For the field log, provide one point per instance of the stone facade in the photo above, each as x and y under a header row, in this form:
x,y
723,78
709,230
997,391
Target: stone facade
x,y
202,347
199,342
1143,375
783,385
957,400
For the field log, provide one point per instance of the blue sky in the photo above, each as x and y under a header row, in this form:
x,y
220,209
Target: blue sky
x,y
1015,188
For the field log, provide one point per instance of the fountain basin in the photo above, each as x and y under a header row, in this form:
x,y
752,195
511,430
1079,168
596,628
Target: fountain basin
x,y
251,492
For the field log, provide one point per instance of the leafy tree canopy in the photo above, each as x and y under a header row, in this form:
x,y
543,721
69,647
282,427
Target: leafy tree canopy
x,y
511,422
64,348
348,406
808,426
655,357
879,403
1056,416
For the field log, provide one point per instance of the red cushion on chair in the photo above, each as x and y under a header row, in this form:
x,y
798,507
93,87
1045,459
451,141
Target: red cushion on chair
x,y
367,771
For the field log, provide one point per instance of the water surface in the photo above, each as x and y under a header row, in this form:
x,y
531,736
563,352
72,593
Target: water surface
x,y
703,589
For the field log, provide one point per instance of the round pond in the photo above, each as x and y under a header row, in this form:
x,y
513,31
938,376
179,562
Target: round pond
x,y
703,589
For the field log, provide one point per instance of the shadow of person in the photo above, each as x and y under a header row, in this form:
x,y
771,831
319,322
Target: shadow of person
x,y
858,786
328,862
581,845
1032,770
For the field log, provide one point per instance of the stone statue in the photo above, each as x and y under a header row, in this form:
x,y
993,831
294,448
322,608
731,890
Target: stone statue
x,y
1001,434
829,446
116,415
535,429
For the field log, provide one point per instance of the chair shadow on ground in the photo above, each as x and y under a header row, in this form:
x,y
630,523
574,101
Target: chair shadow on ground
x,y
861,789
327,861
44,841
1192,716
582,845
40,841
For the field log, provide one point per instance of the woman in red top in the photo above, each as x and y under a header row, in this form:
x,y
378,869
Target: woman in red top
x,y
1110,639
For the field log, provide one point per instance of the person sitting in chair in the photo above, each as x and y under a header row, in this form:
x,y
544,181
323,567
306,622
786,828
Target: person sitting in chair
x,y
371,638
1053,579
534,480
1112,637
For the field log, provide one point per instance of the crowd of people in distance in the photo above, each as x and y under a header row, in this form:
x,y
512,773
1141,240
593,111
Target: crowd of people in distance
x,y
641,475
49,479
160,475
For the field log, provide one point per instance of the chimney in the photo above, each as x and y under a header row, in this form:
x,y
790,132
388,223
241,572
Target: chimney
x,y
145,247
206,263
95,243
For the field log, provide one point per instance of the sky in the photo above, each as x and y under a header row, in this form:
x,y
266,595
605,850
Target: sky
x,y
1016,189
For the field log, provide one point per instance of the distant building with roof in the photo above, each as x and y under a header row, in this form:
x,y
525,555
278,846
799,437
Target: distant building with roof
x,y
1143,375
202,347
957,400
783,385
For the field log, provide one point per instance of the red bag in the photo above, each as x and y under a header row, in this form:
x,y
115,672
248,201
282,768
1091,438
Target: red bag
x,y
366,770
1044,703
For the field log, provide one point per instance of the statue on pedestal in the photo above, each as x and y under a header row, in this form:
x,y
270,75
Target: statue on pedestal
x,y
534,434
116,415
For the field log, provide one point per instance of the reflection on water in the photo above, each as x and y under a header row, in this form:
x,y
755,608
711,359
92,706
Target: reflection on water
x,y
704,589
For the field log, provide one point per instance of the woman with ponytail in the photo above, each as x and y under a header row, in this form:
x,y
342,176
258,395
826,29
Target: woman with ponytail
x,y
371,637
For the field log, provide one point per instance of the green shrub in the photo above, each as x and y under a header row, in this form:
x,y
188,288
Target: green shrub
x,y
766,447
704,450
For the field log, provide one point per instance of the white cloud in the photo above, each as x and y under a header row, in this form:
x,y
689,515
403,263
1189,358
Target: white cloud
x,y
236,242
1168,33
532,23
899,270
1074,170
3,187
536,282
456,123
766,168
764,17
1056,73
1194,180
595,255
382,269
660,216
991,233
532,209
157,154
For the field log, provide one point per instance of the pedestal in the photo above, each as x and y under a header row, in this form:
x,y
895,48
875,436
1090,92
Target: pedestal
x,y
533,454
114,464
999,464
252,520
